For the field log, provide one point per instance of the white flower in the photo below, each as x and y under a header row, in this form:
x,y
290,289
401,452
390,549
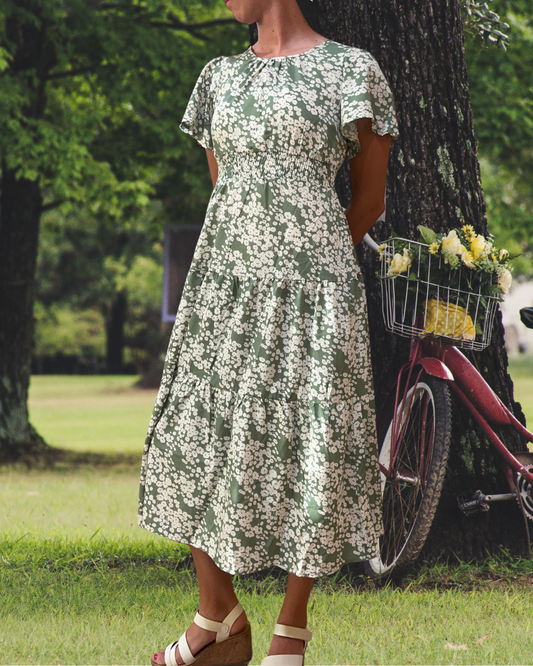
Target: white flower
x,y
504,279
503,254
399,264
451,243
487,249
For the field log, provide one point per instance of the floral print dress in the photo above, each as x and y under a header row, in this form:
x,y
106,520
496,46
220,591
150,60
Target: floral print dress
x,y
262,447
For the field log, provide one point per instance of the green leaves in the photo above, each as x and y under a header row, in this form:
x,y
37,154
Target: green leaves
x,y
428,235
501,85
486,24
92,94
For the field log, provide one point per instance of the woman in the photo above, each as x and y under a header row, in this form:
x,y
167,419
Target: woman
x,y
262,447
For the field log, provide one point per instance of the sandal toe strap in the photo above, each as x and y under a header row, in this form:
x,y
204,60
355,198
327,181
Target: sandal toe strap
x,y
185,652
170,654
293,632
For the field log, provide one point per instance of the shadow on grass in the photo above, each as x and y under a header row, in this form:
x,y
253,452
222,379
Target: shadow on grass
x,y
501,571
51,458
166,560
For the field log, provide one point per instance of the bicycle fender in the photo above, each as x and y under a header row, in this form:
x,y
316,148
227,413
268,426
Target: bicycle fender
x,y
432,366
435,368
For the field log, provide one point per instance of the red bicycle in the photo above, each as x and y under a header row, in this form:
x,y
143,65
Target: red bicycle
x,y
414,426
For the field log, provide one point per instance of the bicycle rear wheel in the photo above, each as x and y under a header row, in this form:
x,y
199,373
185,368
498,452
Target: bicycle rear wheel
x,y
412,486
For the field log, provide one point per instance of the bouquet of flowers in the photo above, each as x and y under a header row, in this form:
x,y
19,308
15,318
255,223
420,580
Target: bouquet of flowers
x,y
449,285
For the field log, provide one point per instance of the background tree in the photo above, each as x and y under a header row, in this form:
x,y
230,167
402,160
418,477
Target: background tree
x,y
501,90
434,181
110,279
90,97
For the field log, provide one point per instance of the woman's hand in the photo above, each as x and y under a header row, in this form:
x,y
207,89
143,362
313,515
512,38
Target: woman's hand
x,y
368,173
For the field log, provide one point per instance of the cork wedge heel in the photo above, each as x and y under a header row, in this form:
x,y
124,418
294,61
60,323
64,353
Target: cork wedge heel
x,y
289,659
225,650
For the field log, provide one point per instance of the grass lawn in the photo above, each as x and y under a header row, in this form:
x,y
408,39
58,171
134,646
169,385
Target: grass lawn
x,y
91,413
81,583
74,503
521,370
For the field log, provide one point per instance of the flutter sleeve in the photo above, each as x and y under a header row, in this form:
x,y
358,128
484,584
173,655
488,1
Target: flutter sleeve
x,y
199,111
365,93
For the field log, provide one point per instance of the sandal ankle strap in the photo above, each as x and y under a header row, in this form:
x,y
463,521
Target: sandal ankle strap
x,y
223,628
293,632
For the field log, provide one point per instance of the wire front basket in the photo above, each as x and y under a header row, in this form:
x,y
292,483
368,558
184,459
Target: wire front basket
x,y
430,299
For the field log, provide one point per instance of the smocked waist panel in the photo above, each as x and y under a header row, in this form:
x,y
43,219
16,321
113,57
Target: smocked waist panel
x,y
277,166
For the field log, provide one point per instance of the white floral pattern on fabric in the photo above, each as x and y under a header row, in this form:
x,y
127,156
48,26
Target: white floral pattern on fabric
x,y
262,447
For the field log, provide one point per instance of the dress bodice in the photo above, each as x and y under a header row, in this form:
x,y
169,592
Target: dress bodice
x,y
302,106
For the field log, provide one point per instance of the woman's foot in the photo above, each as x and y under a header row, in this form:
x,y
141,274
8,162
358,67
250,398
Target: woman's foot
x,y
198,638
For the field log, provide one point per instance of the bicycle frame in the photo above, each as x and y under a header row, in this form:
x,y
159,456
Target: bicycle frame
x,y
446,362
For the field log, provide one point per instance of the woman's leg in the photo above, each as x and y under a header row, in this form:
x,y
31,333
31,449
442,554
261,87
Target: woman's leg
x,y
294,613
217,599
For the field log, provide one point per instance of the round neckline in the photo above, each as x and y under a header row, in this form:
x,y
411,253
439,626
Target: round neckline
x,y
292,55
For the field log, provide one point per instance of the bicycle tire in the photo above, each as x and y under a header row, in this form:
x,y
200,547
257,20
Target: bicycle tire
x,y
411,493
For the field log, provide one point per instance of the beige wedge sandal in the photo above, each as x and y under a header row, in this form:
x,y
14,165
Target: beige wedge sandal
x,y
289,659
225,650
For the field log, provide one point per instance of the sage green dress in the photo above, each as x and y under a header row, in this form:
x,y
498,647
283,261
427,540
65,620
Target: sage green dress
x,y
262,447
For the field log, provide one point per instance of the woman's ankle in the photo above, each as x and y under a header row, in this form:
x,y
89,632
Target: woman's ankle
x,y
217,609
293,619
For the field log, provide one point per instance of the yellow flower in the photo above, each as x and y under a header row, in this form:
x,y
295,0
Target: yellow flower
x,y
503,254
468,231
468,259
434,248
477,246
399,264
381,249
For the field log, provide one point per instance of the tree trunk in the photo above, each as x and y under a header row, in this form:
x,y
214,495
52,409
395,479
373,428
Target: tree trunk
x,y
116,319
20,204
433,180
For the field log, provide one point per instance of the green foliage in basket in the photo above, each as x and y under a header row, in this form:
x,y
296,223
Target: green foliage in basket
x,y
460,259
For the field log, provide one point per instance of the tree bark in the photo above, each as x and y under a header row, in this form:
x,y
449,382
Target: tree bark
x,y
20,203
20,211
434,181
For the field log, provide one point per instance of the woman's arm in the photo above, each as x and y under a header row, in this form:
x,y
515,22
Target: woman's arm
x,y
368,172
213,166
